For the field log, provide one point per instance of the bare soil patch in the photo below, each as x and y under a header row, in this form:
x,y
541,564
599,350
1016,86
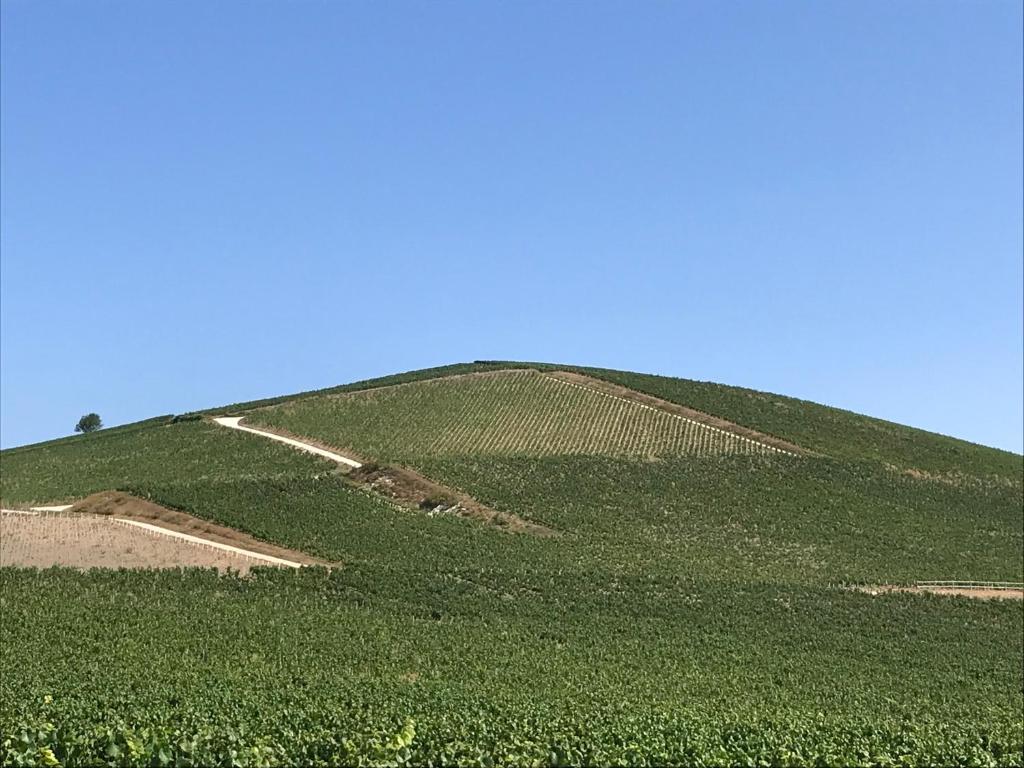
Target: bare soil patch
x,y
978,594
679,410
88,541
118,504
412,490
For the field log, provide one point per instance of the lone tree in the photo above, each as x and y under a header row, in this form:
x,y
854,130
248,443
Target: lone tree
x,y
89,423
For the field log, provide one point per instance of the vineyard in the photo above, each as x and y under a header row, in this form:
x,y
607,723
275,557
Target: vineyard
x,y
507,413
194,451
692,609
309,669
828,430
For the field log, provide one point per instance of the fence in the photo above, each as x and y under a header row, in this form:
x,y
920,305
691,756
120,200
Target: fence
x,y
971,584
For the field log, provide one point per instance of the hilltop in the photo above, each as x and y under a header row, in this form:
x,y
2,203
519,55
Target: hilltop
x,y
535,562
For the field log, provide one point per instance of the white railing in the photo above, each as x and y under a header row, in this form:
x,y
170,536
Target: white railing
x,y
971,584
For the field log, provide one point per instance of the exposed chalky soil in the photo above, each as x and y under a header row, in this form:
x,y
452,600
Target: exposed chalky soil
x,y
86,541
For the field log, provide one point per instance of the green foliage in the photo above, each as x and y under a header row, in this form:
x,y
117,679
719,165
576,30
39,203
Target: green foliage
x,y
178,419
778,520
504,413
774,519
831,431
688,612
89,423
158,452
318,513
188,668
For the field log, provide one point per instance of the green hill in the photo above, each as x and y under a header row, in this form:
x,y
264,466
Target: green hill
x,y
689,607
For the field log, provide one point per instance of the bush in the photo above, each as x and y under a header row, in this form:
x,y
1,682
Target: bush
x,y
186,417
435,500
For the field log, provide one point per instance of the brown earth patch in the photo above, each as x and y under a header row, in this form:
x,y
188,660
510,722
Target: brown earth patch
x,y
411,490
977,594
679,410
52,539
119,504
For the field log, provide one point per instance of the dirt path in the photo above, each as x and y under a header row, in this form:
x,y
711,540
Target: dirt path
x,y
404,486
233,422
131,510
112,529
978,593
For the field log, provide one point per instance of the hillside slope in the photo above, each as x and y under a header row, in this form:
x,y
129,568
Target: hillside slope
x,y
827,430
690,609
573,460
502,413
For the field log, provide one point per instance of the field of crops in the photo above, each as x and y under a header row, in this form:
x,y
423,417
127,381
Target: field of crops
x,y
190,451
812,521
310,669
521,413
719,519
831,431
828,430
689,609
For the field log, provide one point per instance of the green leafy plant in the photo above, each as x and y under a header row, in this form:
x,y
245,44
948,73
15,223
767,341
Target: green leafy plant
x,y
89,423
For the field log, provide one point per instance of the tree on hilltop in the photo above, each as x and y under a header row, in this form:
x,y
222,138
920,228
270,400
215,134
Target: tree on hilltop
x,y
89,423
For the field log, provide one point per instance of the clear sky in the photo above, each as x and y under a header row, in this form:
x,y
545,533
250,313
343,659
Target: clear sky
x,y
209,202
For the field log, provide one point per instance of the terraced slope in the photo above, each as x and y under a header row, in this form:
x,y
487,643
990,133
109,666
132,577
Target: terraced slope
x,y
510,413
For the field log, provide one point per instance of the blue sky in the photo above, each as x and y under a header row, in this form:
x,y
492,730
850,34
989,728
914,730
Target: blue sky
x,y
208,202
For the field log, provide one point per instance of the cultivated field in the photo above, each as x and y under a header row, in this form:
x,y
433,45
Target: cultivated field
x,y
820,428
194,451
302,668
514,413
698,608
